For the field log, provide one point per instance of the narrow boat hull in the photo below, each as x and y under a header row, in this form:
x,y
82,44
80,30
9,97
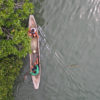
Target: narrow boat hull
x,y
34,45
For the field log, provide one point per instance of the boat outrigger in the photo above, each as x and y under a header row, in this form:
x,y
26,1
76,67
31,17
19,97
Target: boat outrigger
x,y
35,67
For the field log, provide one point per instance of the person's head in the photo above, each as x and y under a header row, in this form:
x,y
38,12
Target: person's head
x,y
32,30
34,69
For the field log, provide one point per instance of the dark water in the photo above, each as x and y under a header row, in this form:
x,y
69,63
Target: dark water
x,y
70,52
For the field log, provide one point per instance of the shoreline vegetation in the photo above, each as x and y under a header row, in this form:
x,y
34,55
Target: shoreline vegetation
x,y
14,42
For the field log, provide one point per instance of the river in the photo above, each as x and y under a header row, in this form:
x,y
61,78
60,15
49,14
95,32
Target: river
x,y
70,52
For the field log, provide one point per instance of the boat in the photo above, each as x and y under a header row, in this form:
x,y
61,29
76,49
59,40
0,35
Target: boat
x,y
35,54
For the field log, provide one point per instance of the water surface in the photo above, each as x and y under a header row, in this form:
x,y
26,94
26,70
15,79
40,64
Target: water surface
x,y
70,52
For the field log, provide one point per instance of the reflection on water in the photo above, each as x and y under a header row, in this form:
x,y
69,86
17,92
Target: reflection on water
x,y
69,33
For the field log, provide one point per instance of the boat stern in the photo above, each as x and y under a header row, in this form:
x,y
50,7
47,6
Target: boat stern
x,y
36,81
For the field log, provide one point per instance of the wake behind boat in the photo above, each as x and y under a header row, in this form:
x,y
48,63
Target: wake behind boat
x,y
35,67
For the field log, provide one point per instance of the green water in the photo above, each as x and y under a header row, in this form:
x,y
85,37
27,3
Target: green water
x,y
70,52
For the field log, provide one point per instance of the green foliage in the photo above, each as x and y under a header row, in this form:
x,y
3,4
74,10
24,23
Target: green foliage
x,y
14,42
9,69
13,33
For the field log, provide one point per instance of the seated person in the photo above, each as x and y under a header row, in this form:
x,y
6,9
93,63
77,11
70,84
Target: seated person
x,y
35,70
32,32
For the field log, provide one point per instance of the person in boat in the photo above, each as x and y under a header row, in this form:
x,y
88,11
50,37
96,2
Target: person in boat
x,y
33,32
34,42
35,69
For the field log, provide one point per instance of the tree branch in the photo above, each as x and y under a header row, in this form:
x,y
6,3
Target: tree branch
x,y
18,5
5,30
